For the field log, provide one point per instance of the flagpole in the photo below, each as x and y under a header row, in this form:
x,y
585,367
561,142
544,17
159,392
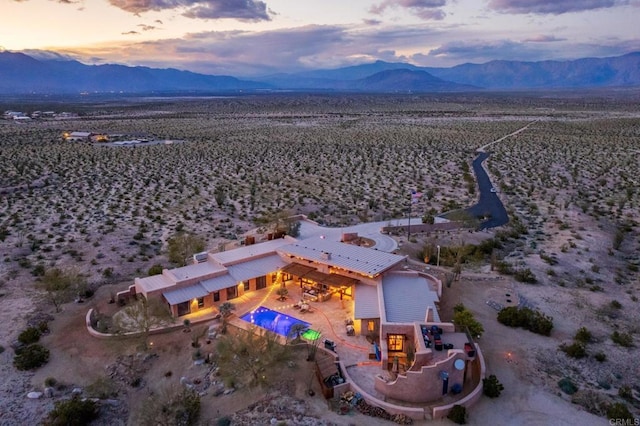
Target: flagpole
x,y
409,227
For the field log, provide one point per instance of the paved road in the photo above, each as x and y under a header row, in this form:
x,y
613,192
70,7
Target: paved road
x,y
489,203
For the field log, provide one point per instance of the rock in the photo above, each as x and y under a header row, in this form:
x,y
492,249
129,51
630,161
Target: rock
x,y
111,402
199,361
229,391
184,381
48,392
218,391
274,421
76,391
34,395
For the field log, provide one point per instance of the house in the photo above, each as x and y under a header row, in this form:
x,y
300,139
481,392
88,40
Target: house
x,y
395,306
77,136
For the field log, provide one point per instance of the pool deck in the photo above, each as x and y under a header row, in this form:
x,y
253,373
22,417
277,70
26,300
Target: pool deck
x,y
329,319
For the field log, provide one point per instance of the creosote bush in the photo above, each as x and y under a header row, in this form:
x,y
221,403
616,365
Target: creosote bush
x,y
31,357
529,319
458,414
567,386
73,412
29,336
575,350
622,339
583,335
492,387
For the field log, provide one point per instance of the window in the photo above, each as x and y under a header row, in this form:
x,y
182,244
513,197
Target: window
x,y
371,325
246,285
200,302
395,342
184,308
261,282
216,296
232,292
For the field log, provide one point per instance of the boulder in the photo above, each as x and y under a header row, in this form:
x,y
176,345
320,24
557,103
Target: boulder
x,y
48,392
34,395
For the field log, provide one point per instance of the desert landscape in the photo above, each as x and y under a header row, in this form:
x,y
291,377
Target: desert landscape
x,y
569,181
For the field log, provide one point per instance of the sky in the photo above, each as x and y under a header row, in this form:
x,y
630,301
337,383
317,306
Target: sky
x,y
261,37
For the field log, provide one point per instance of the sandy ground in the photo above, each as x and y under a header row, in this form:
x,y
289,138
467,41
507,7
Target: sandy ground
x,y
571,212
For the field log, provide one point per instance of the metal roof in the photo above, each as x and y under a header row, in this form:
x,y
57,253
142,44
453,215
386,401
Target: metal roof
x,y
185,294
218,283
154,282
366,301
240,254
350,257
202,271
407,297
256,267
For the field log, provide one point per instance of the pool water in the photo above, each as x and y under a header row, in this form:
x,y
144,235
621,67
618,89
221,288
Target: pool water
x,y
310,334
272,320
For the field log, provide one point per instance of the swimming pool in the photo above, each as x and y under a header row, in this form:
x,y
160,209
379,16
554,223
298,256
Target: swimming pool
x,y
272,320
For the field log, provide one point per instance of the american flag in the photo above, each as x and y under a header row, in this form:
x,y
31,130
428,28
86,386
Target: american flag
x,y
415,195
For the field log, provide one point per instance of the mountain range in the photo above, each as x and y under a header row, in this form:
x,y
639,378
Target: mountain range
x,y
21,73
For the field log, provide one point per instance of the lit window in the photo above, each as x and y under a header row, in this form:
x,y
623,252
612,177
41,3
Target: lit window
x,y
395,342
371,326
200,302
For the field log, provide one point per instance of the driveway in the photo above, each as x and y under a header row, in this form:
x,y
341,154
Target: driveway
x,y
371,230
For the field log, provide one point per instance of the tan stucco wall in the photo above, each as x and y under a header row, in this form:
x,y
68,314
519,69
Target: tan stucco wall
x,y
424,385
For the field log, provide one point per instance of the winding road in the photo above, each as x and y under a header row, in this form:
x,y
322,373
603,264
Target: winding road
x,y
488,206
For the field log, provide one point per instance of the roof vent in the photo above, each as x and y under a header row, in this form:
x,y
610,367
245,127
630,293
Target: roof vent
x,y
325,255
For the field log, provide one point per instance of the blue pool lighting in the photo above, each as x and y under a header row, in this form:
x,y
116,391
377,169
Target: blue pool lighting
x,y
272,320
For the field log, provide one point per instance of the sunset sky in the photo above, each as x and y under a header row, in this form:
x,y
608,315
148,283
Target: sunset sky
x,y
253,37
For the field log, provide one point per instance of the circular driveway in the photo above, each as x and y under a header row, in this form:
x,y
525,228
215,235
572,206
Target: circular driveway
x,y
371,230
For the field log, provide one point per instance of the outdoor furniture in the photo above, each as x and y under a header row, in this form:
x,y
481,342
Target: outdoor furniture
x,y
350,330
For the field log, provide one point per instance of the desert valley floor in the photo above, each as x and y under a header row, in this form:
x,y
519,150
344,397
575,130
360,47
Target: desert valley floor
x,y
233,166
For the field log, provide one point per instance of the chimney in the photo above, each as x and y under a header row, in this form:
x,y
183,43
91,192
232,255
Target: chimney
x,y
325,255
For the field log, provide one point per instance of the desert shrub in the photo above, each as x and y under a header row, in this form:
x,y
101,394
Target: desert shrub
x,y
50,382
492,387
620,411
529,319
615,304
567,386
626,392
1,349
31,357
574,350
29,336
583,335
458,414
103,388
525,276
188,411
590,400
600,357
223,421
622,339
155,269
464,318
107,272
73,412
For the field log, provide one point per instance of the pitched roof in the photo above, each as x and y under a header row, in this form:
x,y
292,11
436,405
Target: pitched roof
x,y
350,257
185,294
256,267
241,254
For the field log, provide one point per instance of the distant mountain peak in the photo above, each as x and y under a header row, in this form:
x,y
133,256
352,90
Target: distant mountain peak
x,y
49,72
